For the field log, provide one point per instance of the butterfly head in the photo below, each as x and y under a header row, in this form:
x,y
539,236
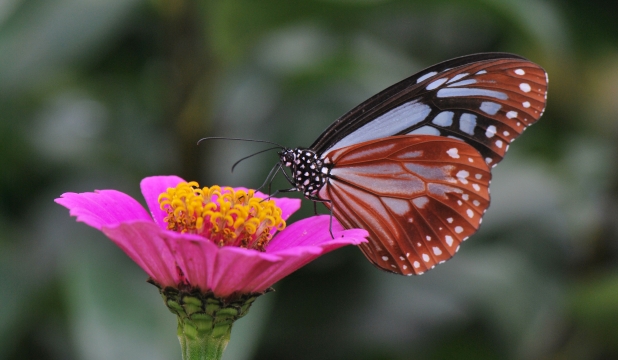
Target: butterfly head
x,y
287,157
309,173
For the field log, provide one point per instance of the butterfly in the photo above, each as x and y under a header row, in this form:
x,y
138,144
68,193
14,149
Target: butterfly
x,y
411,165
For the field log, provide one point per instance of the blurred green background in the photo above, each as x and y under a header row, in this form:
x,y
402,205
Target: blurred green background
x,y
98,94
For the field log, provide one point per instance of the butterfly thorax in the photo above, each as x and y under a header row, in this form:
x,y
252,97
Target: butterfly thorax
x,y
309,173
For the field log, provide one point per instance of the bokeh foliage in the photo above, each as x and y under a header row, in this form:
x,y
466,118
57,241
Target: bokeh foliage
x,y
98,94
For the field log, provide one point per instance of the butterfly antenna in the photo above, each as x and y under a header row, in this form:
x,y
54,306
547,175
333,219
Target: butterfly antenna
x,y
257,153
238,139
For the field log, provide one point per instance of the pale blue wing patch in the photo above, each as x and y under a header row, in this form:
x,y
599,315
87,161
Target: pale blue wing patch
x,y
388,124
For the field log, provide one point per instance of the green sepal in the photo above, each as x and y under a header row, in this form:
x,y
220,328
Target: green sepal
x,y
204,320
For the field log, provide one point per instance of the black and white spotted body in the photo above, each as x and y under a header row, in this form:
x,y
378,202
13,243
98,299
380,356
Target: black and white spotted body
x,y
309,173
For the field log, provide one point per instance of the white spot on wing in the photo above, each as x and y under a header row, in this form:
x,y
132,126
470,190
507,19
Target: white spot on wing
x,y
525,87
499,143
457,77
462,176
467,123
449,240
526,104
511,114
491,131
456,92
520,72
416,264
453,153
384,258
470,213
420,201
481,72
490,108
450,220
445,118
437,251
426,76
425,257
436,83
458,229
476,187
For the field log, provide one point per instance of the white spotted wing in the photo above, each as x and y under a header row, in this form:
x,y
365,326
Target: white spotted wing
x,y
418,197
411,164
485,100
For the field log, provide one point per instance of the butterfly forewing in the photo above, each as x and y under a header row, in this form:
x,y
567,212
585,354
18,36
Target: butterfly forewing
x,y
417,196
487,105
486,100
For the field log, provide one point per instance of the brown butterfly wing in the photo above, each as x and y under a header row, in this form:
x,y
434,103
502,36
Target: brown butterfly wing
x,y
418,197
486,100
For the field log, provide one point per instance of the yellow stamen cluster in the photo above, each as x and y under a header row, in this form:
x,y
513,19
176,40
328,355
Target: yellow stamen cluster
x,y
225,216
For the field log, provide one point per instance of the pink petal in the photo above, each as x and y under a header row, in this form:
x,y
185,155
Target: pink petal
x,y
103,207
289,264
154,186
236,268
145,243
196,258
230,270
302,243
224,271
171,258
313,231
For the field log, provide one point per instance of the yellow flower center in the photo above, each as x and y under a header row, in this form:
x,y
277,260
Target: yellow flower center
x,y
225,216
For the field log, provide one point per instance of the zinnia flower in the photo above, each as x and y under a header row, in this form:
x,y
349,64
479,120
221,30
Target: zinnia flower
x,y
210,251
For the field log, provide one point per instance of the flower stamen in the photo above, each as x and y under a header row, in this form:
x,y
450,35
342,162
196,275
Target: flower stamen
x,y
226,216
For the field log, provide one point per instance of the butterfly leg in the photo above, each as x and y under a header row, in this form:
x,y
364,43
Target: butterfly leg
x,y
280,191
317,200
271,175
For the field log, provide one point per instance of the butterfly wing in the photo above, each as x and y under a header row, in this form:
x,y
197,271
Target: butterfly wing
x,y
418,197
486,100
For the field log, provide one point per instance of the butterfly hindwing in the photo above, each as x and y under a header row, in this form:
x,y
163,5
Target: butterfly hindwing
x,y
417,196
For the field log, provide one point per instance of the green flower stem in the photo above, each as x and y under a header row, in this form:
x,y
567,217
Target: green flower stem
x,y
204,320
201,345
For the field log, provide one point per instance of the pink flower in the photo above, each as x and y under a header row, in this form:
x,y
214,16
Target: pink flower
x,y
174,259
